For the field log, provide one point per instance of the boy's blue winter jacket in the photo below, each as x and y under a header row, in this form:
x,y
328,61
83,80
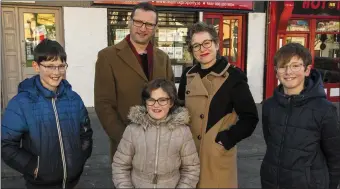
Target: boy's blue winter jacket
x,y
46,130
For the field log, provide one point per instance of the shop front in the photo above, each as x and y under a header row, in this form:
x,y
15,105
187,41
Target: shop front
x,y
315,25
175,18
23,27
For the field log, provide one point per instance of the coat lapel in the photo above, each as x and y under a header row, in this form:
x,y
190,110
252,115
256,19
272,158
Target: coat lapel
x,y
129,58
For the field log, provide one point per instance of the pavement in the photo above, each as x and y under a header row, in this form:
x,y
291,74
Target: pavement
x,y
97,171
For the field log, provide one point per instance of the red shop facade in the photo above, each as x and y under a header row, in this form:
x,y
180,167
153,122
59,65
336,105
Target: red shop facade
x,y
314,24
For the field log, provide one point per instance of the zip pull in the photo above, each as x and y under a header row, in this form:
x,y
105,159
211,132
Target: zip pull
x,y
155,179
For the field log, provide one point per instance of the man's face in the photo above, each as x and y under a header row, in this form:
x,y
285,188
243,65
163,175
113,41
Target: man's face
x,y
142,26
292,75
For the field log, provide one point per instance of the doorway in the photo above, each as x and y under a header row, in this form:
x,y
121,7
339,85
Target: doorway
x,y
231,34
22,29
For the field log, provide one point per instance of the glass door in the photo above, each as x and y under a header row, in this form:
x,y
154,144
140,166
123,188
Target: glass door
x,y
229,30
36,25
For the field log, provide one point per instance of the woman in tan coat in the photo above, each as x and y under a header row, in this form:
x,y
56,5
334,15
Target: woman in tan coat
x,y
222,109
157,149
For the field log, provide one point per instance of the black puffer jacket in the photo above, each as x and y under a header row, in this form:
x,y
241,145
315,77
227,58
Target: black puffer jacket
x,y
302,134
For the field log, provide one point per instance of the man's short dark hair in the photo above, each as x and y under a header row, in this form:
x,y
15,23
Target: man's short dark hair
x,y
288,51
48,50
146,7
166,85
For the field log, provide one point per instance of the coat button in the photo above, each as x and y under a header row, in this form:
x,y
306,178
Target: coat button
x,y
202,116
199,137
187,92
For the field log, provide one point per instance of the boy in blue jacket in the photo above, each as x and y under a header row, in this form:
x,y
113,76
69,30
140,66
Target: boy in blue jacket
x,y
300,126
45,131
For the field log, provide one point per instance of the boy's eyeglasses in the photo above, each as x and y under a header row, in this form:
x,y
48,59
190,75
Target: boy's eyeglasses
x,y
161,101
140,24
61,68
206,44
292,67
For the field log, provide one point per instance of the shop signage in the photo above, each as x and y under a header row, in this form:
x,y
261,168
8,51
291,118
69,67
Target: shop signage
x,y
226,4
331,8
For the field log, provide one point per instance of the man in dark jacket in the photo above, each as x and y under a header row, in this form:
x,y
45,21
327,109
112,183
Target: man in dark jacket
x,y
45,130
300,126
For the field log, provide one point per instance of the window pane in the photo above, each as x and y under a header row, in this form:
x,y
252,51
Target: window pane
x,y
298,25
230,36
37,27
300,40
327,57
328,26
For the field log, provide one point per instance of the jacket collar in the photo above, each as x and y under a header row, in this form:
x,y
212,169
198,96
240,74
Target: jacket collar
x,y
140,116
220,68
35,88
313,89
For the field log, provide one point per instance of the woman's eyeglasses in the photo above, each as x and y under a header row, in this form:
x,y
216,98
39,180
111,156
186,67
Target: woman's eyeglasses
x,y
206,44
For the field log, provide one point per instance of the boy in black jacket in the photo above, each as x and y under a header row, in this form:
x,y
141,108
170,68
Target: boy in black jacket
x,y
300,126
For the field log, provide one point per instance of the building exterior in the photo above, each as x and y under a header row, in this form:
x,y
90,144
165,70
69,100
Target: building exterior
x,y
314,24
84,28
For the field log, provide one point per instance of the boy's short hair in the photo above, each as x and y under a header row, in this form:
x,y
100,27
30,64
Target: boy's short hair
x,y
166,85
48,50
146,6
288,51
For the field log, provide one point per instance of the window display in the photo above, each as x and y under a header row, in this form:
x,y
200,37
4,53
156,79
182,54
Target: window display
x,y
327,56
37,26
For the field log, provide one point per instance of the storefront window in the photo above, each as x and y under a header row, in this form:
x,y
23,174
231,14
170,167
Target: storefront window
x,y
230,38
297,39
327,56
298,25
328,26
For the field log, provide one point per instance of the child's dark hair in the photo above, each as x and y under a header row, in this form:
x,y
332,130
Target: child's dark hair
x,y
288,51
167,86
48,50
146,6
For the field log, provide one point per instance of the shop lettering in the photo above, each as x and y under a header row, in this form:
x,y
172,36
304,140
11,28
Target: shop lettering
x,y
321,4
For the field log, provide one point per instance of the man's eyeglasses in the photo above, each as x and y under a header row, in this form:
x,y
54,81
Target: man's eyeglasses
x,y
161,101
292,67
206,44
61,68
140,24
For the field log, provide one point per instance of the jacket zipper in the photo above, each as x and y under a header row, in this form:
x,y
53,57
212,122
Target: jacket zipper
x,y
155,176
282,140
60,142
38,163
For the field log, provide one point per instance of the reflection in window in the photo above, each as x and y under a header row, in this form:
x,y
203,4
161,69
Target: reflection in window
x,y
298,25
328,26
327,56
300,40
36,28
230,35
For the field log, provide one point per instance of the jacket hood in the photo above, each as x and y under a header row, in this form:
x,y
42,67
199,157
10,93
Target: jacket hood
x,y
140,116
313,89
35,88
